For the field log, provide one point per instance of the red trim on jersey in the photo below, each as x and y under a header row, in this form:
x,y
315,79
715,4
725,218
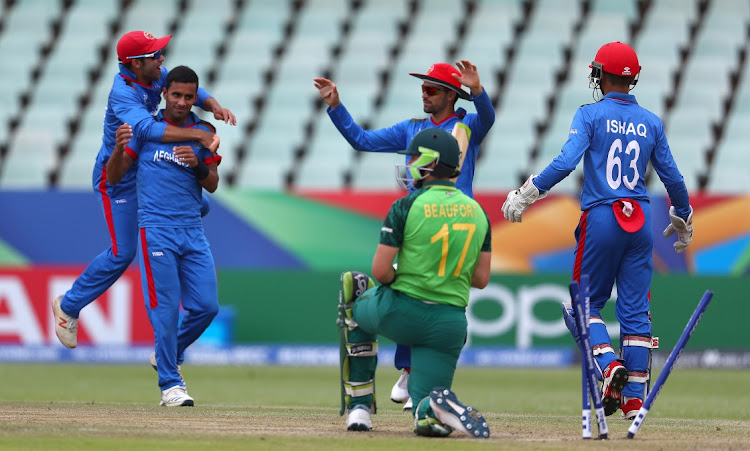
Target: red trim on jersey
x,y
152,301
579,249
214,159
107,204
620,99
132,80
131,152
438,123
180,125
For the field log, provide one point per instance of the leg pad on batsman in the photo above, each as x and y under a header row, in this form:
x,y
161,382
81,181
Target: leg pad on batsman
x,y
357,350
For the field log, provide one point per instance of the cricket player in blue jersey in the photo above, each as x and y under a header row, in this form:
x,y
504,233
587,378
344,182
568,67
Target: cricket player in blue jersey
x,y
175,258
441,89
616,138
133,99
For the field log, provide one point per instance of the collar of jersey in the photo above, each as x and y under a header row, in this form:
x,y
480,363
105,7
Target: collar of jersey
x,y
131,77
454,115
446,183
621,97
192,119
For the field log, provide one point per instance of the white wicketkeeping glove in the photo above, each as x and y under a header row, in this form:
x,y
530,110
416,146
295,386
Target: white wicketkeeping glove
x,y
683,228
519,200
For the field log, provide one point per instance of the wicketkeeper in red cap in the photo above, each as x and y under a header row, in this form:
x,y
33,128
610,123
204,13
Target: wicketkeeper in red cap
x,y
618,140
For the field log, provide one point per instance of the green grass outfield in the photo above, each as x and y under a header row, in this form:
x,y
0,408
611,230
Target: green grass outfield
x,y
116,407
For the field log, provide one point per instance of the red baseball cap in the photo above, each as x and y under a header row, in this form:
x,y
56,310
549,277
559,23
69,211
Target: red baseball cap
x,y
618,58
442,74
137,43
629,214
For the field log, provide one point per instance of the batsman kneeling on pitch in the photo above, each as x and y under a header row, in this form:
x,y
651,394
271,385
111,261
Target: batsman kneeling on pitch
x,y
423,302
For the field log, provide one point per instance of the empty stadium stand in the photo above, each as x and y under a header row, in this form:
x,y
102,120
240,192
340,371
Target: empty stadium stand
x,y
259,57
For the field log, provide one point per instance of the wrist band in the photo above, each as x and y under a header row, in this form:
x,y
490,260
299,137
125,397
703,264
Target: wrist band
x,y
201,170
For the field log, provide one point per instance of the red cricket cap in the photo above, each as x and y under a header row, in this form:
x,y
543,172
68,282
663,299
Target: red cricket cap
x,y
618,58
442,74
630,220
137,43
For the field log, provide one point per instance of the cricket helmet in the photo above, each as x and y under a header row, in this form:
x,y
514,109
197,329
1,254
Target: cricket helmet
x,y
433,145
614,58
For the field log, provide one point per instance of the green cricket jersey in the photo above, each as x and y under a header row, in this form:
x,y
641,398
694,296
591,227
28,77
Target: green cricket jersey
x,y
440,232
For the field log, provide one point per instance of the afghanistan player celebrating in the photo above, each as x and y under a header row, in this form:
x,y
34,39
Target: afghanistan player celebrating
x,y
175,258
134,99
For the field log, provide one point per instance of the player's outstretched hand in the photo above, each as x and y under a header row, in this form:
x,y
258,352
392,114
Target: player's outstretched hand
x,y
226,115
328,91
683,228
519,200
469,76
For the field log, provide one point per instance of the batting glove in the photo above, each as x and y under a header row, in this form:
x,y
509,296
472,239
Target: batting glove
x,y
683,228
521,199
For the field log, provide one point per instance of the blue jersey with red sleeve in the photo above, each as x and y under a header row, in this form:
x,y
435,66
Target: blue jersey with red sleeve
x,y
136,104
169,193
397,137
616,138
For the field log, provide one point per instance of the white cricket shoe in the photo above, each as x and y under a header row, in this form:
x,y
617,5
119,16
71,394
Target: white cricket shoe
x,y
400,391
176,396
152,360
409,405
359,419
66,327
449,411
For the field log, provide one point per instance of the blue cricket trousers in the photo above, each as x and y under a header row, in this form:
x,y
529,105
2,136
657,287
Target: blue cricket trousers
x,y
177,265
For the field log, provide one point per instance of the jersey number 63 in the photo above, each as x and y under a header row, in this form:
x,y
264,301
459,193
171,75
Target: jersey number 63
x,y
615,175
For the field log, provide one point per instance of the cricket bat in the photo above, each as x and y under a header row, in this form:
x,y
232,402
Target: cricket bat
x,y
462,133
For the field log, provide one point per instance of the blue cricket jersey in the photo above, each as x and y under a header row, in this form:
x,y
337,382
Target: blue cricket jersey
x,y
397,137
169,194
136,104
616,138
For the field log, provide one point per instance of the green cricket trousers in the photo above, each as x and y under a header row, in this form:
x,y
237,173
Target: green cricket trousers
x,y
436,333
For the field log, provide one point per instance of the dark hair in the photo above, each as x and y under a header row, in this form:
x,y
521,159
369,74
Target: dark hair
x,y
182,74
443,170
619,80
455,100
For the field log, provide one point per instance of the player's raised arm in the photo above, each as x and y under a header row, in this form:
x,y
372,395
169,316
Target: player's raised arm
x,y
328,91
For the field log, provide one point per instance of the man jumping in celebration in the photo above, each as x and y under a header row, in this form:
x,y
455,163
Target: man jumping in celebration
x,y
176,261
134,99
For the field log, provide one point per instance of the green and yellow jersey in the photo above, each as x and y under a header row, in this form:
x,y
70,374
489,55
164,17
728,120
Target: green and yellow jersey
x,y
440,232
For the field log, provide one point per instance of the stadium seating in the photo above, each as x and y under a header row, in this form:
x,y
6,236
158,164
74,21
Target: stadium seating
x,y
259,57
